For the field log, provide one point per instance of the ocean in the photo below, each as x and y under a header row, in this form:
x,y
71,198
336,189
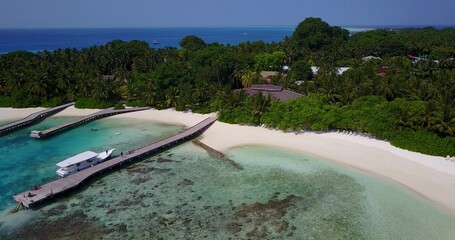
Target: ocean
x,y
51,39
35,40
183,193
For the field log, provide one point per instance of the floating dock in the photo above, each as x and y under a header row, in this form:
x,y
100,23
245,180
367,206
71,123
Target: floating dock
x,y
32,118
47,191
94,116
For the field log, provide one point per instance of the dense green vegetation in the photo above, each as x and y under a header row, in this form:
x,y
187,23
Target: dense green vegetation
x,y
92,103
410,103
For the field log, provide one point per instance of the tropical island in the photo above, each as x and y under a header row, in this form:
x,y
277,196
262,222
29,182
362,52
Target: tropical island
x,y
397,85
322,93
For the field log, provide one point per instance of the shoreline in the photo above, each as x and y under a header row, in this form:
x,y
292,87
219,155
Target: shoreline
x,y
428,176
431,177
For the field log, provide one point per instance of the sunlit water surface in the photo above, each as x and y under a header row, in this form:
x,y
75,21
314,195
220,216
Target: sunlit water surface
x,y
184,193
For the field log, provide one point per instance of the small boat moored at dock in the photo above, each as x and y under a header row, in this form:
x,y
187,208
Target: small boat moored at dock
x,y
82,161
60,186
36,134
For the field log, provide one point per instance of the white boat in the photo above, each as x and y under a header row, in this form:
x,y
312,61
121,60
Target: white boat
x,y
82,161
35,134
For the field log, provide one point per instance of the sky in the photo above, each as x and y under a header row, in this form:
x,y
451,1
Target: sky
x,y
213,13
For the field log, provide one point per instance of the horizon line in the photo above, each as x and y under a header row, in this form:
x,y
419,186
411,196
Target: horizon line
x,y
234,26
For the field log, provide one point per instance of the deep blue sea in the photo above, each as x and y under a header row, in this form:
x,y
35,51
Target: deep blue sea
x,y
35,40
51,39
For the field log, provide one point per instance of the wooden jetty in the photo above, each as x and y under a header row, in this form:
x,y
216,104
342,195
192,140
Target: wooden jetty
x,y
65,126
48,191
32,118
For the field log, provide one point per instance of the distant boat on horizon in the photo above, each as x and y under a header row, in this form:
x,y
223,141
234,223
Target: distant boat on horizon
x,y
244,34
155,42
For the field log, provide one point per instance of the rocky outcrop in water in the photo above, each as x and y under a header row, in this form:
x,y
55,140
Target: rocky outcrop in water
x,y
217,155
262,220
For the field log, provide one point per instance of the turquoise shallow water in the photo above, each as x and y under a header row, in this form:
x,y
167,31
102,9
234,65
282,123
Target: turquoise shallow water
x,y
384,210
185,194
26,162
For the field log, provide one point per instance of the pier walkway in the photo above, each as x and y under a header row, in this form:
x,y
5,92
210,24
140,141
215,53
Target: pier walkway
x,y
32,118
62,185
65,126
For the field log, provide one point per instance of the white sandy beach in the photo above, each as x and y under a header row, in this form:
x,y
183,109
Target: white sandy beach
x,y
431,177
17,113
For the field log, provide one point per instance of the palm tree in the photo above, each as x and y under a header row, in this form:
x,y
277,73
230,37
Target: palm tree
x,y
172,96
122,75
430,115
446,124
247,77
63,81
386,89
16,82
38,86
100,90
3,89
200,93
83,87
447,63
281,79
334,97
444,127
216,65
149,95
260,104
